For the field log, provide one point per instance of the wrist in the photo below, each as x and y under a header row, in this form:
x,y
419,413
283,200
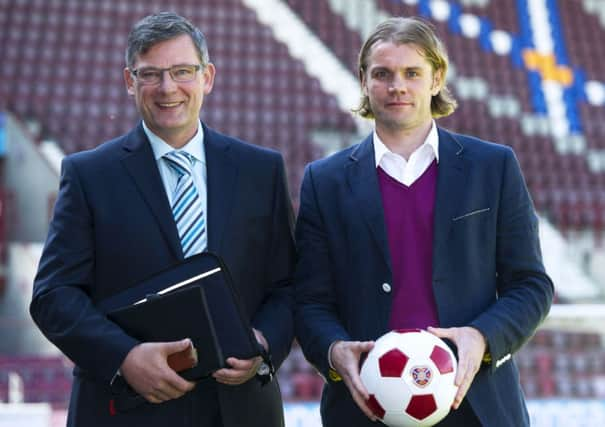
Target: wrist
x,y
487,357
330,363
260,337
265,371
333,374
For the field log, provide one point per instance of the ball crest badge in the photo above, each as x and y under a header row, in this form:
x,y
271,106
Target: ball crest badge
x,y
422,375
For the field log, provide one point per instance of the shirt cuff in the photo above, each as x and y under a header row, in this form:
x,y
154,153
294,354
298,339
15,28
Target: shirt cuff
x,y
117,374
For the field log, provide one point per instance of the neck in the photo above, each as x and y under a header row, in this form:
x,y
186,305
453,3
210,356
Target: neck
x,y
403,141
178,140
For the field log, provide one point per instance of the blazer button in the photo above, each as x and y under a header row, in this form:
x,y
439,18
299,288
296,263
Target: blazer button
x,y
386,287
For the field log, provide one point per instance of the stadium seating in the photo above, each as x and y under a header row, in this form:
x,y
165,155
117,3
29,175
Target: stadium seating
x,y
501,13
398,8
265,96
562,364
45,379
72,81
304,383
581,30
330,28
3,239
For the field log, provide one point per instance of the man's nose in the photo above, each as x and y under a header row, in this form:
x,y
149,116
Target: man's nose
x,y
398,84
166,81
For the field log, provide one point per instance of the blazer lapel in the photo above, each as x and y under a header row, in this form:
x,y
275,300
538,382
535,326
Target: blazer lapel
x,y
141,165
363,182
451,180
221,178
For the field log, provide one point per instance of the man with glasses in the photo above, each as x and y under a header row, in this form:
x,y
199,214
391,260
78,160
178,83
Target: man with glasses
x,y
169,189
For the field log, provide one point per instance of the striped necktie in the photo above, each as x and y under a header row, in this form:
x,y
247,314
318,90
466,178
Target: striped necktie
x,y
187,205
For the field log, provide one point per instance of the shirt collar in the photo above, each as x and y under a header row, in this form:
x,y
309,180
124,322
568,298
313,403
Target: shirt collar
x,y
432,141
195,146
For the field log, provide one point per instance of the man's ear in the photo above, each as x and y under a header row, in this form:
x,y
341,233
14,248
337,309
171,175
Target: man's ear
x,y
437,82
208,74
129,81
363,80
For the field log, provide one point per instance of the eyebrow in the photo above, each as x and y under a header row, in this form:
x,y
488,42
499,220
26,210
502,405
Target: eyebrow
x,y
384,67
180,64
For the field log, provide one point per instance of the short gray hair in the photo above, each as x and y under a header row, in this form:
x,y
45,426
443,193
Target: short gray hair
x,y
160,27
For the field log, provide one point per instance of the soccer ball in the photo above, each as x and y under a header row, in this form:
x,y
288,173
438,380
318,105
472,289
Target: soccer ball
x,y
409,375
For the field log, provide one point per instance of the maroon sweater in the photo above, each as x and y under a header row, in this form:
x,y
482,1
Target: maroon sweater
x,y
408,213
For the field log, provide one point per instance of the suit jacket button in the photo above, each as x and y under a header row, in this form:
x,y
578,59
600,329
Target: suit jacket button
x,y
386,287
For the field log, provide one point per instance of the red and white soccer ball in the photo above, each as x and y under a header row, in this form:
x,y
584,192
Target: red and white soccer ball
x,y
409,375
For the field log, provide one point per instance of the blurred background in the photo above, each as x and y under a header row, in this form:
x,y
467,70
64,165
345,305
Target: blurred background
x,y
527,73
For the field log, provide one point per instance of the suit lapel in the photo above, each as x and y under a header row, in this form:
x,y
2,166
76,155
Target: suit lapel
x,y
141,166
363,182
451,182
221,178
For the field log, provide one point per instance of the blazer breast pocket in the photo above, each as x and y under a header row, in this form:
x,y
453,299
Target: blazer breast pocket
x,y
474,230
474,214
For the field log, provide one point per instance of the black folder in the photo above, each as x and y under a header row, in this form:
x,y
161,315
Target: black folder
x,y
203,306
183,313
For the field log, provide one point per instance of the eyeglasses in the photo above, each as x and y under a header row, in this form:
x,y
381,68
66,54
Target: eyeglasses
x,y
179,73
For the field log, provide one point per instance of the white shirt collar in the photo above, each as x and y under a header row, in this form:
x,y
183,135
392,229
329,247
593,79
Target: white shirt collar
x,y
195,146
407,171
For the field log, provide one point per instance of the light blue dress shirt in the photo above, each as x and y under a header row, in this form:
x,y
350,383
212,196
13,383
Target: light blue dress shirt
x,y
195,148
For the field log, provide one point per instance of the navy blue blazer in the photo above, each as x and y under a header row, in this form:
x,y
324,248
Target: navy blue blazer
x,y
112,227
487,266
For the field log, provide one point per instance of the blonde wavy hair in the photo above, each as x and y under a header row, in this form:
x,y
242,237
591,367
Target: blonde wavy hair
x,y
415,31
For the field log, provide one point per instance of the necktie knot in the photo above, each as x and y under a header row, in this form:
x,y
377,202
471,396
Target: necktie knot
x,y
180,161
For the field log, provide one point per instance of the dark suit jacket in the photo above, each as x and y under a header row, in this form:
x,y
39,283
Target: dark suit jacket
x,y
487,267
113,226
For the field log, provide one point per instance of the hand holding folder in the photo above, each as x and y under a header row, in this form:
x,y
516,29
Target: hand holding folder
x,y
150,373
194,299
183,360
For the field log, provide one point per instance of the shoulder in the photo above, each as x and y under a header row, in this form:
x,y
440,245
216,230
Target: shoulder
x,y
242,149
337,159
333,163
473,147
105,153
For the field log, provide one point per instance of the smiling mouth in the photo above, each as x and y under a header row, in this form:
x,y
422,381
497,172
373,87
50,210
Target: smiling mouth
x,y
168,104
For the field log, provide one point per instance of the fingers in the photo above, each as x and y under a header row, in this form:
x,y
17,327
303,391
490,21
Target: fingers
x,y
442,332
163,393
167,385
146,370
161,390
240,371
360,394
361,403
345,357
356,384
365,347
174,383
176,346
471,347
152,399
464,377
